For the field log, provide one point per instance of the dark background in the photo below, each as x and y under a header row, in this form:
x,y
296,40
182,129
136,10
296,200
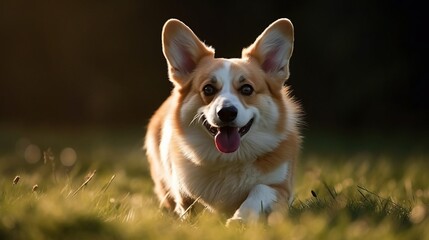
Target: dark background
x,y
357,65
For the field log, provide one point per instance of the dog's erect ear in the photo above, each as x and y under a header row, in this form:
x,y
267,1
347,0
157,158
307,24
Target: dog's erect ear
x,y
182,49
273,48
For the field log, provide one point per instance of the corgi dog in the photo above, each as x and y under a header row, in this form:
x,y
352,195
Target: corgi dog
x,y
228,135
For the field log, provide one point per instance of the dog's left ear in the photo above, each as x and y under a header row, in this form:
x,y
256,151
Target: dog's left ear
x,y
273,48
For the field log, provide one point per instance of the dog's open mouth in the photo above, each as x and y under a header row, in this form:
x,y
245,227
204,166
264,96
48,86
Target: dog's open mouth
x,y
227,138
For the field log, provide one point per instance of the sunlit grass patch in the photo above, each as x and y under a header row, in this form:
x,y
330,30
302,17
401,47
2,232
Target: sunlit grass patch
x,y
107,194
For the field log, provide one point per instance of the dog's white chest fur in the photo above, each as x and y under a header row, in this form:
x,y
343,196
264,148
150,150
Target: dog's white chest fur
x,y
228,185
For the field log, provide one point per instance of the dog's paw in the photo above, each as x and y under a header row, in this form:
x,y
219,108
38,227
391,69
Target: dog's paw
x,y
235,222
244,216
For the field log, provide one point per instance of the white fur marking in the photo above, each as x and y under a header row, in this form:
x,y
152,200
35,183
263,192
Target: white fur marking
x,y
224,75
227,97
260,200
278,175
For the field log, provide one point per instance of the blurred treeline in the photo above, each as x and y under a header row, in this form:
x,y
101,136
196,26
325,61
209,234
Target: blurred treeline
x,y
356,65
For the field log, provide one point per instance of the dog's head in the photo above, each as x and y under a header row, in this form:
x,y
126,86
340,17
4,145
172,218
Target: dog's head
x,y
230,101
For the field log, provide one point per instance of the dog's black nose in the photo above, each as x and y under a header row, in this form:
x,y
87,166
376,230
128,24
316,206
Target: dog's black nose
x,y
227,114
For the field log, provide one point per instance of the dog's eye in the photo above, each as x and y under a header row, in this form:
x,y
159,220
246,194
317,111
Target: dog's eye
x,y
246,90
209,90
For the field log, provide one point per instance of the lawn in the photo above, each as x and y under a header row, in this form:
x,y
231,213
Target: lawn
x,y
368,186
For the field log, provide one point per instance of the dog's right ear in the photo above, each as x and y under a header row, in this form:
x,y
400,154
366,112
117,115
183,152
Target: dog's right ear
x,y
182,49
273,49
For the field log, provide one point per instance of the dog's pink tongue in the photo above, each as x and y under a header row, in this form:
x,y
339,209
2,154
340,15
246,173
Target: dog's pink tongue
x,y
227,139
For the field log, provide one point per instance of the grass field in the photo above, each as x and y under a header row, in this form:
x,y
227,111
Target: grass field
x,y
366,187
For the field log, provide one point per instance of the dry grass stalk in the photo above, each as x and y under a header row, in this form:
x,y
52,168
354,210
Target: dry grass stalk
x,y
90,176
189,208
105,187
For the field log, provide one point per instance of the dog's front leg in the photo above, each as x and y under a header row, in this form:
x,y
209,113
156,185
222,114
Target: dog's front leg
x,y
258,204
